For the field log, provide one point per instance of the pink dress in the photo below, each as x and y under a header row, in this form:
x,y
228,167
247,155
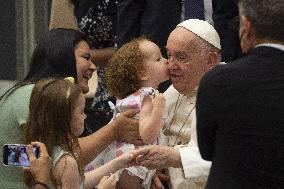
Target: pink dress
x,y
117,148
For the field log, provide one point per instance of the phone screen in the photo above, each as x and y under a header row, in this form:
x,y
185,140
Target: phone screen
x,y
16,155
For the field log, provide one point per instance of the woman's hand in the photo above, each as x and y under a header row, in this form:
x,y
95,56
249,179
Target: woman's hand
x,y
39,168
127,128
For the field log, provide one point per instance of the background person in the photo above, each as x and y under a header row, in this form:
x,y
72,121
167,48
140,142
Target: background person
x,y
240,106
153,19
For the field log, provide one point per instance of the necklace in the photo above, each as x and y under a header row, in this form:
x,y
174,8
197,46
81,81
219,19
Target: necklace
x,y
167,130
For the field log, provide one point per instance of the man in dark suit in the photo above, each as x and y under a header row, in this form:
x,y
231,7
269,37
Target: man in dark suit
x,y
225,22
240,106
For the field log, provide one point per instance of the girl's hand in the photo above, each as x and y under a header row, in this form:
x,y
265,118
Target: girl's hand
x,y
159,101
126,160
107,182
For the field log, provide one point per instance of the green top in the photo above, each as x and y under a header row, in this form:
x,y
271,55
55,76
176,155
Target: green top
x,y
13,113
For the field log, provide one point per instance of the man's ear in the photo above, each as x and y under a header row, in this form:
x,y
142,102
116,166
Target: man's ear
x,y
214,59
247,34
245,23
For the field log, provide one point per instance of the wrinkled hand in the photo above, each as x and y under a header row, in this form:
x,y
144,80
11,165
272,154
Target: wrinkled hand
x,y
127,128
40,167
107,182
159,101
157,180
158,157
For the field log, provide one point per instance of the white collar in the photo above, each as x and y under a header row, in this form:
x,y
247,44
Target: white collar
x,y
273,45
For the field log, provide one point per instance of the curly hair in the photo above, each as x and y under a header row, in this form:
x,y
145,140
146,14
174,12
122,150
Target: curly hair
x,y
123,70
52,102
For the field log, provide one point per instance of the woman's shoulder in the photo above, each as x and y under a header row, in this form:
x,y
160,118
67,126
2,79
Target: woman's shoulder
x,y
20,92
14,105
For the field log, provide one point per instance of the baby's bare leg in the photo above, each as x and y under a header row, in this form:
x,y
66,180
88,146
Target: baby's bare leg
x,y
129,182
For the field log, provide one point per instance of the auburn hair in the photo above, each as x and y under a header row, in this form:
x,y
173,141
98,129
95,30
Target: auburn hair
x,y
123,70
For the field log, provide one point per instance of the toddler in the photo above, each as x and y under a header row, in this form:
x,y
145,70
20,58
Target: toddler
x,y
133,75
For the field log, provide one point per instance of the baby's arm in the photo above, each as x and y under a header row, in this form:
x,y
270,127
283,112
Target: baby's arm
x,y
150,118
93,177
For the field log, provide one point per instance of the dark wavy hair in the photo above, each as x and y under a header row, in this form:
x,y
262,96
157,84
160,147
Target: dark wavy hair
x,y
50,110
54,56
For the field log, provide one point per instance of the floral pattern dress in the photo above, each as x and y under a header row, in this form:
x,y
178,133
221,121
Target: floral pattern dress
x,y
117,148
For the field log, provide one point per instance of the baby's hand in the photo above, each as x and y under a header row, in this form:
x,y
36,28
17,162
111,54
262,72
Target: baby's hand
x,y
107,182
159,101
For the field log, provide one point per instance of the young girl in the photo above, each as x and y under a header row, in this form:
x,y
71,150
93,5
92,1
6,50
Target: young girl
x,y
132,75
56,118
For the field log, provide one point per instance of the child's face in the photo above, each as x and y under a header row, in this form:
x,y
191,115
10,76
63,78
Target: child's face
x,y
78,116
155,64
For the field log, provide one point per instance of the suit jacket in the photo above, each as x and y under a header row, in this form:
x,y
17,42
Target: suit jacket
x,y
240,121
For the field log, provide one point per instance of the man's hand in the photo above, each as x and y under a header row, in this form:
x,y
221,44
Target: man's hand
x,y
158,157
127,128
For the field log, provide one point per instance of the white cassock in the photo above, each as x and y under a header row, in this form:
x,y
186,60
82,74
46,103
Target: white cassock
x,y
180,132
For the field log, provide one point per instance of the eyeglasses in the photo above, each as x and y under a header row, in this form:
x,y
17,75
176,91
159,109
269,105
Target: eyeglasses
x,y
178,57
178,60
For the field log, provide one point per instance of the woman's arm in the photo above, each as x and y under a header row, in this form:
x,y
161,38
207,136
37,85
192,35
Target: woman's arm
x,y
101,56
123,128
150,118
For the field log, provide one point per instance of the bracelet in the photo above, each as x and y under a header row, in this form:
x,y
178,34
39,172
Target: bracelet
x,y
41,183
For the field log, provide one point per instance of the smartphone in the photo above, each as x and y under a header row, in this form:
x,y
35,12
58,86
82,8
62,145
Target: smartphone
x,y
16,155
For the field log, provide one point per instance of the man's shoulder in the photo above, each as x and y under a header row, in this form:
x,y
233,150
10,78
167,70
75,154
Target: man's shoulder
x,y
224,71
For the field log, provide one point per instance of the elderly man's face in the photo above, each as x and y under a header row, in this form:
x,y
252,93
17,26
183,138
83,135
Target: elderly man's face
x,y
186,61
